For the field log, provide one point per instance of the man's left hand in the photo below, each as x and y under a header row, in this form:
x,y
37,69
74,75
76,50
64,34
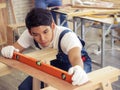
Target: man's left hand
x,y
79,75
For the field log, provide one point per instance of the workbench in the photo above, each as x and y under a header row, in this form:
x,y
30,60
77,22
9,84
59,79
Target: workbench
x,y
89,14
101,78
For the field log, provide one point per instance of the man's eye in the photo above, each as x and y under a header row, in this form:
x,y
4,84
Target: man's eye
x,y
45,31
34,34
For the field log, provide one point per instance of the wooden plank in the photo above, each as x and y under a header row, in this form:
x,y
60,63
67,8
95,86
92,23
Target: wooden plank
x,y
41,55
10,36
109,20
96,77
90,12
97,4
4,69
3,38
15,26
76,11
2,29
116,2
86,6
2,5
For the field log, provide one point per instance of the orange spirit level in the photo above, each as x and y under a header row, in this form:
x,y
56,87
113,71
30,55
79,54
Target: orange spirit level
x,y
42,66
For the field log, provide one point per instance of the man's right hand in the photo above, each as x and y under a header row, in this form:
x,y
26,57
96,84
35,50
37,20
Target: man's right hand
x,y
8,51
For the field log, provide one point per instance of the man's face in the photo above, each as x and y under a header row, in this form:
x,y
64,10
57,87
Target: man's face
x,y
43,34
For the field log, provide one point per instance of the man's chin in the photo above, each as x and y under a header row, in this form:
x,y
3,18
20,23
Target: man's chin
x,y
44,45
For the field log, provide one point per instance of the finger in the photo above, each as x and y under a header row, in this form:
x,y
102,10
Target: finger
x,y
2,52
11,53
16,50
6,53
83,80
75,82
76,76
70,71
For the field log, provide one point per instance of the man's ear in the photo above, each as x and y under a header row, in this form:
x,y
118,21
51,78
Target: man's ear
x,y
53,25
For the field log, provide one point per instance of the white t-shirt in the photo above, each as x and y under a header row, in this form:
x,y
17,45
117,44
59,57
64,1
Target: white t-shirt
x,y
68,41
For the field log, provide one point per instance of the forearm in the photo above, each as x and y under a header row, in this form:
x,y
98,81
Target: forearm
x,y
77,61
17,46
75,57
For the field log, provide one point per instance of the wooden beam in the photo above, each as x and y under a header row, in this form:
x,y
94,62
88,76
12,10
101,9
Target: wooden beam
x,y
4,69
15,26
2,5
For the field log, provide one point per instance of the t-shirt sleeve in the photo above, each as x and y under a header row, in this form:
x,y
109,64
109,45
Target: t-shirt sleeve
x,y
69,41
25,39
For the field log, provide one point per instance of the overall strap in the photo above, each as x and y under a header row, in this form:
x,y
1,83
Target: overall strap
x,y
60,37
36,44
62,34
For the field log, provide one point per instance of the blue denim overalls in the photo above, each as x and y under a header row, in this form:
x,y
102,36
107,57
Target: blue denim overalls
x,y
61,62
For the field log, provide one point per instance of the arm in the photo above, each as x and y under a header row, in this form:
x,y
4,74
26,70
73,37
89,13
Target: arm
x,y
75,56
18,46
73,46
79,75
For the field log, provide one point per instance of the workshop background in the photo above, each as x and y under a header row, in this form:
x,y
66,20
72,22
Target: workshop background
x,y
16,11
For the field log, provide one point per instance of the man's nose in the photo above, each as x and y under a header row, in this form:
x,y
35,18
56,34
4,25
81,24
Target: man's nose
x,y
42,37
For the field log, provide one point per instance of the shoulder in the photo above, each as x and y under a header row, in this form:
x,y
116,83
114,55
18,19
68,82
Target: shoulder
x,y
25,39
58,30
69,39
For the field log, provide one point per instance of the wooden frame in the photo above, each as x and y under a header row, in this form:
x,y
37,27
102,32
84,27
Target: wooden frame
x,y
11,29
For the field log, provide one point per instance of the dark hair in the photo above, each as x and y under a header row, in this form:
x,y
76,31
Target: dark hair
x,y
37,17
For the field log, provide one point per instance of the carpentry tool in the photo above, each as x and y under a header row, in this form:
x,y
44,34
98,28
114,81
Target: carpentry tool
x,y
59,73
